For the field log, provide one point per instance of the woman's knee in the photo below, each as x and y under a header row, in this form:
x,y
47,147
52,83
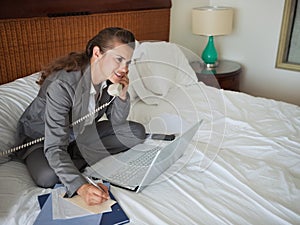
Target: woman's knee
x,y
42,174
138,130
46,178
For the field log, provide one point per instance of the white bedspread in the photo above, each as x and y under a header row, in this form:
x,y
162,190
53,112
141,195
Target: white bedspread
x,y
243,166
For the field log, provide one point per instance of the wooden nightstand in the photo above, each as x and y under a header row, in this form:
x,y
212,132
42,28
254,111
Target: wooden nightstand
x,y
226,75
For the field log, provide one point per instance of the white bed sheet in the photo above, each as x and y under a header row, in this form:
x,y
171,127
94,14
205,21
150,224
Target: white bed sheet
x,y
243,166
252,178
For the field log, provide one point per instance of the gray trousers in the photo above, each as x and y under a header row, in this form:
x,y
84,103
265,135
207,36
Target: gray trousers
x,y
110,140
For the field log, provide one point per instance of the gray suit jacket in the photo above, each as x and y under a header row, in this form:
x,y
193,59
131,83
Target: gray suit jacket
x,y
62,99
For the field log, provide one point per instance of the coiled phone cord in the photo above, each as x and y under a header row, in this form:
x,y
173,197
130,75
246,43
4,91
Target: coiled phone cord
x,y
17,148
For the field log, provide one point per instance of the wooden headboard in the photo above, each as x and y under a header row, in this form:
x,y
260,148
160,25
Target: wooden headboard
x,y
34,38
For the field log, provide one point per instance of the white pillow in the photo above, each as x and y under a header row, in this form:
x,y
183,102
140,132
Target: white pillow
x,y
157,67
14,97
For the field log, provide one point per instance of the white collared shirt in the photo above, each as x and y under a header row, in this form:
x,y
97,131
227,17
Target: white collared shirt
x,y
92,101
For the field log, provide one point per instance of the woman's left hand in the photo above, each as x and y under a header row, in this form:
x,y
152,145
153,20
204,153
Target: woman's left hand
x,y
125,83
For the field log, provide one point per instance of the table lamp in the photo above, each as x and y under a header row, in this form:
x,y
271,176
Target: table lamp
x,y
211,21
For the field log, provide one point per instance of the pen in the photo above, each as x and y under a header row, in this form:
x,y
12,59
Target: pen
x,y
91,181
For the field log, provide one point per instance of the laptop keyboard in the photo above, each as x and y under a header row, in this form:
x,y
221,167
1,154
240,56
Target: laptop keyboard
x,y
135,169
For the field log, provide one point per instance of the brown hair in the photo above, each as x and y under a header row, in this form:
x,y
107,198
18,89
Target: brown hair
x,y
76,61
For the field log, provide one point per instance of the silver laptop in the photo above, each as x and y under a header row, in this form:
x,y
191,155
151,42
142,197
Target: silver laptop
x,y
139,166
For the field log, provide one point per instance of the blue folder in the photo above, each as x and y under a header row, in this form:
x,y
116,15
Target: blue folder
x,y
116,216
45,217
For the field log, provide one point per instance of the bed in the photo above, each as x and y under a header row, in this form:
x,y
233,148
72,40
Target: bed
x,y
242,166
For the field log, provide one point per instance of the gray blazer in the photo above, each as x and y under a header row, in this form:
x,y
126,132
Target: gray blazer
x,y
62,99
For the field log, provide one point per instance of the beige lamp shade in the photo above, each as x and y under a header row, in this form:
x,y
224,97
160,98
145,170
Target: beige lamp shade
x,y
212,20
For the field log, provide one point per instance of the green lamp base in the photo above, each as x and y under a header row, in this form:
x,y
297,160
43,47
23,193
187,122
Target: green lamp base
x,y
209,54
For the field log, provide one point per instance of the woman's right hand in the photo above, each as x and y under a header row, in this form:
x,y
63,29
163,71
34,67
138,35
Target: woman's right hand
x,y
92,195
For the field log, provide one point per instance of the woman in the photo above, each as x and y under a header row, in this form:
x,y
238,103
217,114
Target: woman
x,y
72,87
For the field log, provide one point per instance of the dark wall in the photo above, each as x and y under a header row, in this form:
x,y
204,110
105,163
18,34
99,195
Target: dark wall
x,y
41,8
